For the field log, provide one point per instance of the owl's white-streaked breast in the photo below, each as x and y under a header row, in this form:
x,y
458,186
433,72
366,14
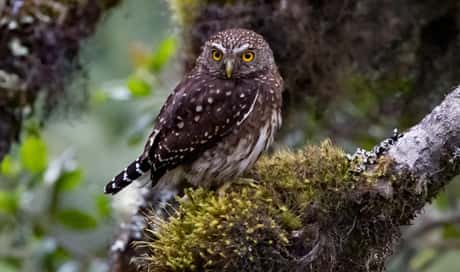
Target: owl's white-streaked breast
x,y
236,153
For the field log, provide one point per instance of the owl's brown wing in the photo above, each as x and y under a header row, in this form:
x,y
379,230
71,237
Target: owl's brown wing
x,y
197,115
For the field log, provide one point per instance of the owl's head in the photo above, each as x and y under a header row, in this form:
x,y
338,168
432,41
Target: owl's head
x,y
236,53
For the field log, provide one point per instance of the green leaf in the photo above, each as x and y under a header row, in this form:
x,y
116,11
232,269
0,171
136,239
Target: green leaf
x,y
451,231
8,202
76,220
70,180
103,205
162,55
100,96
33,154
9,167
7,267
442,202
135,139
138,87
422,258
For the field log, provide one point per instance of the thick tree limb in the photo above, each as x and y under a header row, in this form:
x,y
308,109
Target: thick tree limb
x,y
428,149
350,223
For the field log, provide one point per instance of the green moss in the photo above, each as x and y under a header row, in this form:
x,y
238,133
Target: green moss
x,y
248,223
184,11
209,228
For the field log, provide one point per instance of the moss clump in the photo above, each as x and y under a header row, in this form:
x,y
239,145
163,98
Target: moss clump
x,y
208,229
255,226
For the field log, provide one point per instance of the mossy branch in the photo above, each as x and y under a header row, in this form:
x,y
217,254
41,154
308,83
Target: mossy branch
x,y
316,209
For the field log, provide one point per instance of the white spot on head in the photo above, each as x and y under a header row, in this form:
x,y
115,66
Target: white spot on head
x,y
180,124
218,91
241,48
199,108
219,46
219,109
242,95
196,118
228,93
210,100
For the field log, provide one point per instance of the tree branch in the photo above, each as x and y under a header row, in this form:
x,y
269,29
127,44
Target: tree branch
x,y
428,150
328,211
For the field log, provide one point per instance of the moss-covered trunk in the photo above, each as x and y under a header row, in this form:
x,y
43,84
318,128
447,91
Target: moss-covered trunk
x,y
39,46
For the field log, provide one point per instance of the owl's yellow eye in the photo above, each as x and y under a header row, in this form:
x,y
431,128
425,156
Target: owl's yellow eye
x,y
216,55
248,56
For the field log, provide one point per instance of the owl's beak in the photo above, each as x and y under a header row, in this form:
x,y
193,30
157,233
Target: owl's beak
x,y
228,68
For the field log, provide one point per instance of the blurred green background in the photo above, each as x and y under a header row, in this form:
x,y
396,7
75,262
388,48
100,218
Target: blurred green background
x,y
53,214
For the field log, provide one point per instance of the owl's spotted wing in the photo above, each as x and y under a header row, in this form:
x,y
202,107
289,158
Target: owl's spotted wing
x,y
198,114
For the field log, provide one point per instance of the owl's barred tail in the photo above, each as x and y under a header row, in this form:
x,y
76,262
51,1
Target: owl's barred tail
x,y
134,170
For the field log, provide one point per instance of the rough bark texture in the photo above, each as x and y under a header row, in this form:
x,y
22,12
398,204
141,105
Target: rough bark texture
x,y
39,46
430,151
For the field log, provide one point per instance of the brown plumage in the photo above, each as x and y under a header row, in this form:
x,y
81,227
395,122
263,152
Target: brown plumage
x,y
218,120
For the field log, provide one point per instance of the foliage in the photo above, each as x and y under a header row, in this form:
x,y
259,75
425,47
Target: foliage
x,y
33,188
44,225
38,53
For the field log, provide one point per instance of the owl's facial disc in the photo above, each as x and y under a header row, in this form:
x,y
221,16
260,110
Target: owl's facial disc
x,y
229,61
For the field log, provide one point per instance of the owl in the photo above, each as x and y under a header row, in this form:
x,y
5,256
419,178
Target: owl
x,y
218,120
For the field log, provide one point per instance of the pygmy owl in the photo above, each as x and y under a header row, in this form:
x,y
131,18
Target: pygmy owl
x,y
218,120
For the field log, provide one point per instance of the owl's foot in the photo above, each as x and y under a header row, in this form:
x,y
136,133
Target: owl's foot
x,y
236,182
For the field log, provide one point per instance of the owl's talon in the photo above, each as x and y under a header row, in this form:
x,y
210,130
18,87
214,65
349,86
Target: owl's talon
x,y
246,181
237,182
